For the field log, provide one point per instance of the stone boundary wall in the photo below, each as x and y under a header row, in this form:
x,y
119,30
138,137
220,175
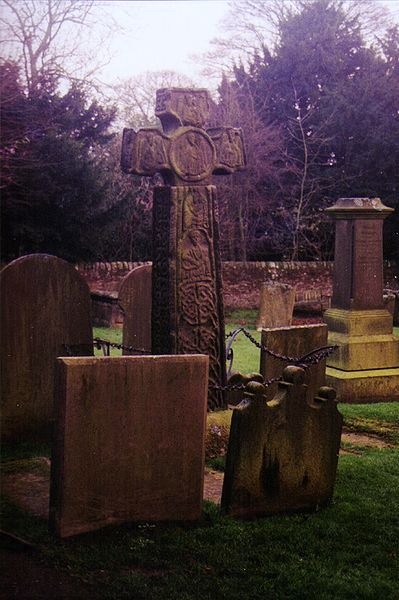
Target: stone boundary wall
x,y
241,280
108,269
231,269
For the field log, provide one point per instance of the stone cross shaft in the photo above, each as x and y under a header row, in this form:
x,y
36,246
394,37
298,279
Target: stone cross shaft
x,y
187,304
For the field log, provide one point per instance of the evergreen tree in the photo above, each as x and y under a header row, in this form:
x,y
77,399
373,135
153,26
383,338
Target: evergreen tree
x,y
53,185
336,102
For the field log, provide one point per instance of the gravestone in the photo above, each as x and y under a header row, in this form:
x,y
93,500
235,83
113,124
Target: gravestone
x,y
45,313
282,454
366,365
187,307
294,341
135,299
105,310
276,305
129,443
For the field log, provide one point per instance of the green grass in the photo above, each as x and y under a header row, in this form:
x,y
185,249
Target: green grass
x,y
246,356
348,550
112,334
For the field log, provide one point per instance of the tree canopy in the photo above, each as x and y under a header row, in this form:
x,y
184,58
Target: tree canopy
x,y
315,90
335,100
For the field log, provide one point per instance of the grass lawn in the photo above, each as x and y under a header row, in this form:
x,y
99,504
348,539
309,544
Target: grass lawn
x,y
348,550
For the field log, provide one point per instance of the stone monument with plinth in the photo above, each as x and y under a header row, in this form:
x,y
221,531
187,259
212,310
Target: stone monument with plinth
x,y
365,368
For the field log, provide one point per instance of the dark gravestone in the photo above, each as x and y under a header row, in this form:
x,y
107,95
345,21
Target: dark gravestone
x,y
294,341
45,313
187,307
105,310
283,453
135,299
130,441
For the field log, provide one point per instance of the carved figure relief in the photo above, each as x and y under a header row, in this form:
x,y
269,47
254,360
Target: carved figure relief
x,y
151,152
229,148
195,258
188,106
162,100
192,154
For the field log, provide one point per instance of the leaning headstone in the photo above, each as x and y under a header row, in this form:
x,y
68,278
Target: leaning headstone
x,y
45,313
135,300
282,454
366,366
129,443
187,304
276,305
294,342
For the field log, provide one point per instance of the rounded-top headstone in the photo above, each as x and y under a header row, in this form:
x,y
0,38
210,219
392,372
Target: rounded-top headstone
x,y
135,300
45,313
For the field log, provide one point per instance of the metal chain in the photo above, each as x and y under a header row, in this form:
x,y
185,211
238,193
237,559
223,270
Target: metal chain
x,y
105,346
310,358
99,342
242,386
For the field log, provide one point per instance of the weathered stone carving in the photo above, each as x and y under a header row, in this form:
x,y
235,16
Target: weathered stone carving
x,y
184,153
283,453
187,314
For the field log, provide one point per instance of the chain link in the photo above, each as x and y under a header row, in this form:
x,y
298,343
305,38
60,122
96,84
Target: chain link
x,y
99,343
105,346
311,358
242,386
305,361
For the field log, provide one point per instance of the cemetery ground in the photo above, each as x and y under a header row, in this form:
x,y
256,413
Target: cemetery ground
x,y
347,550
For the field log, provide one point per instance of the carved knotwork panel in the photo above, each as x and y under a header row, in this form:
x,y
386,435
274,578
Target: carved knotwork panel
x,y
187,316
163,312
199,302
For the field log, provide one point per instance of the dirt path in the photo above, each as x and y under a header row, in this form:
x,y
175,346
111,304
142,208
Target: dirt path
x,y
29,489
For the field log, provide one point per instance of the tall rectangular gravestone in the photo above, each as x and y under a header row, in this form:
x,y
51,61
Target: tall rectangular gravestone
x,y
295,341
135,300
129,441
45,313
187,303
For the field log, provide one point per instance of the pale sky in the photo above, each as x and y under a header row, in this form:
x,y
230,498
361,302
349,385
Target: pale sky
x,y
163,35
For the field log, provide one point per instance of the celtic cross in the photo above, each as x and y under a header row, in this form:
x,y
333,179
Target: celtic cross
x,y
187,313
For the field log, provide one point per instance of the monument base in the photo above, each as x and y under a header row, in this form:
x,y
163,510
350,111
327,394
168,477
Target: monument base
x,y
367,386
365,340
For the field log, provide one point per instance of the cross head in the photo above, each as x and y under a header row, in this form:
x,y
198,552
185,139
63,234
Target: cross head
x,y
184,153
